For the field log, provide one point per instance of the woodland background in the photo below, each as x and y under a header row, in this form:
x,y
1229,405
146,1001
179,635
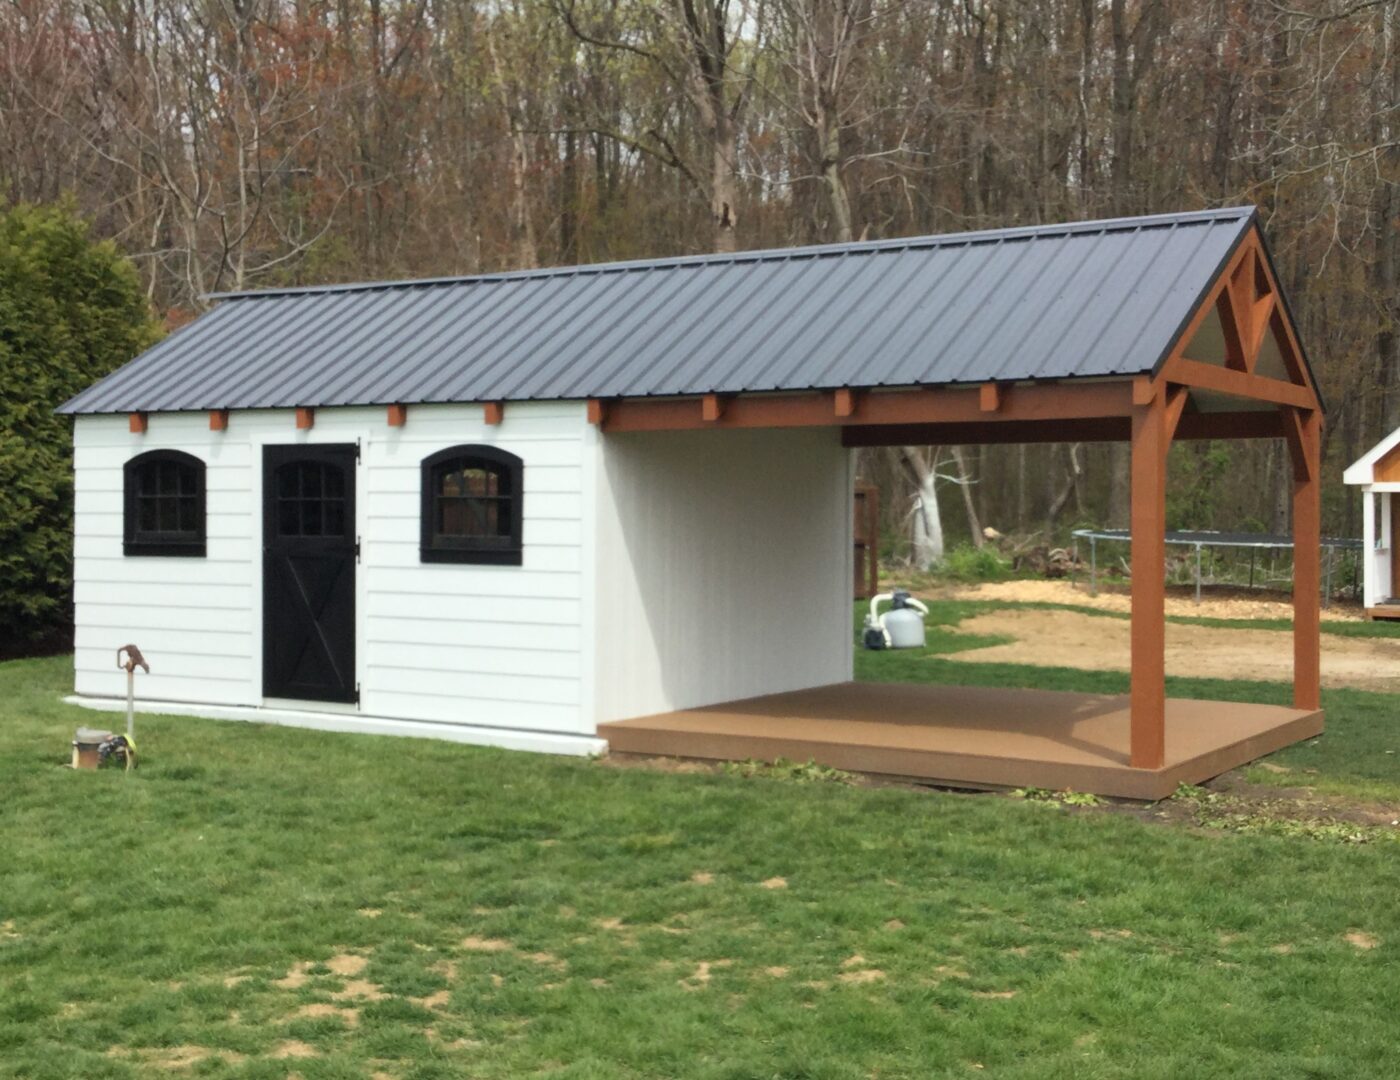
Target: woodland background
x,y
227,144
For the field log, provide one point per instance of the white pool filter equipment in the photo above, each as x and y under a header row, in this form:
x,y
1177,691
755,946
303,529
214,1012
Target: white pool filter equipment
x,y
901,627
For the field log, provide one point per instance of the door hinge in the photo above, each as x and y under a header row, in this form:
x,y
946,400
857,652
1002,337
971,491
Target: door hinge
x,y
357,549
357,451
357,693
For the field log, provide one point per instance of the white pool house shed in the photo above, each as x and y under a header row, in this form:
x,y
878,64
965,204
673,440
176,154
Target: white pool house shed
x,y
1377,474
518,508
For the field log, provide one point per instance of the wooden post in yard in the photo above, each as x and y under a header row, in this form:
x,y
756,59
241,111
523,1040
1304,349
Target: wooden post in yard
x,y
1307,545
1148,695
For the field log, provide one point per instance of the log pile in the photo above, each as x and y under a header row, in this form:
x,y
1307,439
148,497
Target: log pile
x,y
1033,555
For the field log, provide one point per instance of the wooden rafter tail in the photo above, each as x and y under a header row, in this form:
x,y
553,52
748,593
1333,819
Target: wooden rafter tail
x,y
218,419
989,396
136,423
711,408
397,415
306,418
844,403
493,412
597,412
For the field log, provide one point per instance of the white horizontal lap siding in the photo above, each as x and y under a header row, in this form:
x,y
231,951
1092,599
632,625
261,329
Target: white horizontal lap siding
x,y
192,618
492,646
1376,556
724,567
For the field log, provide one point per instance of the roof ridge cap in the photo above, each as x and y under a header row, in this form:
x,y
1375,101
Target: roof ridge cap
x,y
859,247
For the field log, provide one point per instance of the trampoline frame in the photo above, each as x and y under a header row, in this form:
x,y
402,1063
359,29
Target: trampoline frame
x,y
1204,538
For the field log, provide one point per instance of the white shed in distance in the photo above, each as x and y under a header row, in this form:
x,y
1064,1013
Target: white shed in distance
x,y
1377,474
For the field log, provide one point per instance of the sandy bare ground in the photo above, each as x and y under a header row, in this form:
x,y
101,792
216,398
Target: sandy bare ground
x,y
1116,599
1047,638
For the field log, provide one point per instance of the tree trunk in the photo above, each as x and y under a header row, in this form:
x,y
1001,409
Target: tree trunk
x,y
831,175
1384,269
1120,485
974,523
1057,503
724,186
927,524
1281,473
522,230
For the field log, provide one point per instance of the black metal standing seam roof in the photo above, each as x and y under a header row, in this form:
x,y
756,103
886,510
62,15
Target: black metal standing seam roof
x,y
1092,299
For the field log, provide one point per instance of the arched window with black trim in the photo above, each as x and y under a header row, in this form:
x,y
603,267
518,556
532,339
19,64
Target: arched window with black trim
x,y
164,504
472,506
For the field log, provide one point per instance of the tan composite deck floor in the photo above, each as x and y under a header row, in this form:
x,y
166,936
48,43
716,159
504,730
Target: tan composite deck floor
x,y
971,736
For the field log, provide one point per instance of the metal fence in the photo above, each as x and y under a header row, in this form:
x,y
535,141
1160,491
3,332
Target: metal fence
x,y
1199,540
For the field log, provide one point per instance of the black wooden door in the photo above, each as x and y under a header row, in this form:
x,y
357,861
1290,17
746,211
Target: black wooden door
x,y
309,554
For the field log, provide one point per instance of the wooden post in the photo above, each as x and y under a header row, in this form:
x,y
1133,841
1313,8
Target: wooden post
x,y
1307,546
1148,696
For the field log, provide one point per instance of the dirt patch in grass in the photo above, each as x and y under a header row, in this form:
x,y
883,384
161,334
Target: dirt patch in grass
x,y
360,990
1055,638
683,766
322,1009
774,883
175,1057
1216,603
478,944
703,973
1231,804
856,971
297,976
289,1049
346,964
1361,940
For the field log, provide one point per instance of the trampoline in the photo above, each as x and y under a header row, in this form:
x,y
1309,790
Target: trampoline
x,y
1201,539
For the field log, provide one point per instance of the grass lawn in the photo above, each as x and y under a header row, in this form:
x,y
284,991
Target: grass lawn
x,y
263,902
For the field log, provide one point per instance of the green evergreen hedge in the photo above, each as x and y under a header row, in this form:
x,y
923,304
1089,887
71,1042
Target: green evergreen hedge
x,y
71,310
